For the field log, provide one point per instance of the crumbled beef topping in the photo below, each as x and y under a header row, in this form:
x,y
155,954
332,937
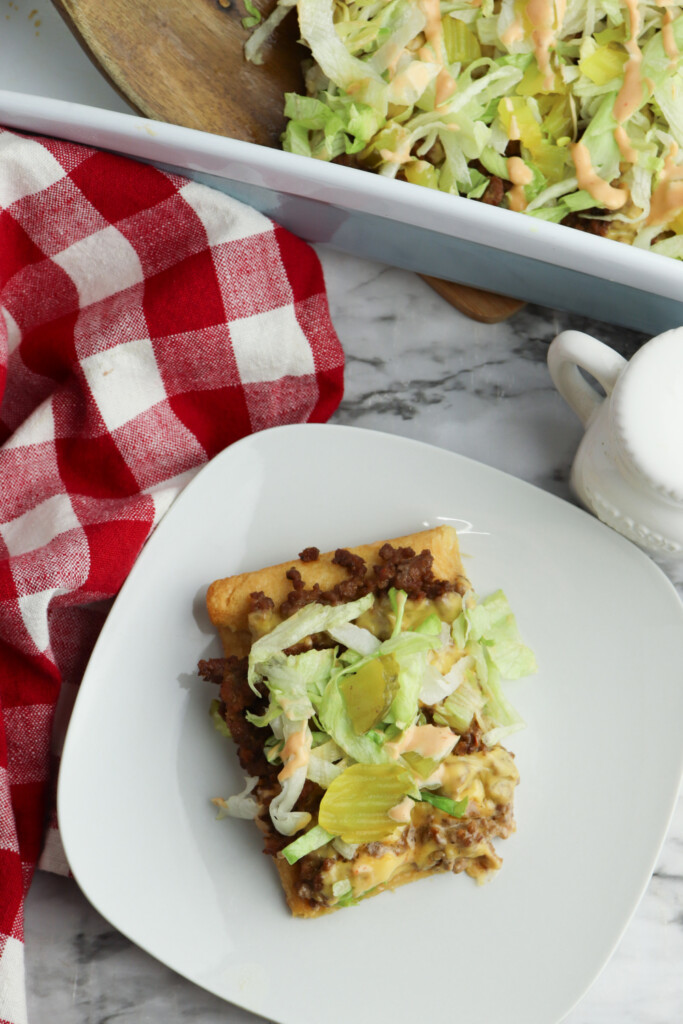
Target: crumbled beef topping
x,y
309,554
258,602
212,669
470,741
495,190
298,595
354,564
587,224
399,567
405,570
237,697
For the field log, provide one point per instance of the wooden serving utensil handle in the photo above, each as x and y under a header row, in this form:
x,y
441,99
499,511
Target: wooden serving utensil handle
x,y
486,307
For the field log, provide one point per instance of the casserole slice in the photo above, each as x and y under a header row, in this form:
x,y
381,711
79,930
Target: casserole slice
x,y
362,690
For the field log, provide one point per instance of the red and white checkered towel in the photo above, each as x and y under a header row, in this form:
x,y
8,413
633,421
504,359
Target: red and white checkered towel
x,y
146,322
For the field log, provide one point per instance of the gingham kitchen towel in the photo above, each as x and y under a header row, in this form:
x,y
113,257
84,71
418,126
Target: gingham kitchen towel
x,y
146,322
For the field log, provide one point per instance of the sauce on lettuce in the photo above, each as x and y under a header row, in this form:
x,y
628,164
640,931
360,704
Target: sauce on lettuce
x,y
568,110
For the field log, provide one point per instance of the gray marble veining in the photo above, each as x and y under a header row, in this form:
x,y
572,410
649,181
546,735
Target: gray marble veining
x,y
415,367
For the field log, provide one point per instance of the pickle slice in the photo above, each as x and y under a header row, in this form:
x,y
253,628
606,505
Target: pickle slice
x,y
356,806
369,693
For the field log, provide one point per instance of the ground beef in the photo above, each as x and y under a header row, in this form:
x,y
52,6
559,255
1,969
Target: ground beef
x,y
593,227
298,595
258,602
495,190
403,569
212,669
354,564
309,554
470,741
237,697
398,567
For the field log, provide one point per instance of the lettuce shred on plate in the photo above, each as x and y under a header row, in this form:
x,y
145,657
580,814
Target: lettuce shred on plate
x,y
569,111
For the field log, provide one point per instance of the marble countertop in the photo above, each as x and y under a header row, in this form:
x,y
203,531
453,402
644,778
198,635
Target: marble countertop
x,y
418,368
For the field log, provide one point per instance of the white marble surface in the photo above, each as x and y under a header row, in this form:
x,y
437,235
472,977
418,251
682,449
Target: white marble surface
x,y
414,367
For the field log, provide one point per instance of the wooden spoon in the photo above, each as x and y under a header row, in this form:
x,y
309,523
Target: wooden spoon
x,y
183,62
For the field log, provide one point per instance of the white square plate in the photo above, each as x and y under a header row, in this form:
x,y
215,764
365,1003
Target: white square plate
x,y
600,761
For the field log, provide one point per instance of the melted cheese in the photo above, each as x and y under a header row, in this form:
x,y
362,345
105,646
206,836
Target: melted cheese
x,y
445,658
263,622
380,619
487,778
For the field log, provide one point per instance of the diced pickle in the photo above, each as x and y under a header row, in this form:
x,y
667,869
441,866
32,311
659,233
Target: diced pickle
x,y
369,692
356,806
423,767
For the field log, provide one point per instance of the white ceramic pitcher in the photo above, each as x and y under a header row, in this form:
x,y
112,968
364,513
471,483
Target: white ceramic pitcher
x,y
628,469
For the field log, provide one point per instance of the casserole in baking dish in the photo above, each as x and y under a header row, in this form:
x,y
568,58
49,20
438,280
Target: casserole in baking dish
x,y
392,221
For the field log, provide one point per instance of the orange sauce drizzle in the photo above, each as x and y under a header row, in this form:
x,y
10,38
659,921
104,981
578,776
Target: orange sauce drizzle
x,y
520,175
395,55
590,180
668,38
445,87
401,812
667,198
541,14
295,753
624,143
514,33
427,740
631,92
432,30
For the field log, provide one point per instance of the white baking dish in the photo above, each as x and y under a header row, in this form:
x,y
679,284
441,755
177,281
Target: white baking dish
x,y
391,221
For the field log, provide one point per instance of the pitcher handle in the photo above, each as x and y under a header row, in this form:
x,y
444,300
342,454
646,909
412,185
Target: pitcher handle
x,y
573,349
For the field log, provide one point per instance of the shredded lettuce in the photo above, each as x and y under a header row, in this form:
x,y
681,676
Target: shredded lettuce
x,y
309,841
312,618
460,707
362,641
295,680
493,621
335,719
437,687
241,805
219,723
325,763
456,808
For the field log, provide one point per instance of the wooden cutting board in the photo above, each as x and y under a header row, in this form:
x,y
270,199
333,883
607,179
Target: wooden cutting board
x,y
182,61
